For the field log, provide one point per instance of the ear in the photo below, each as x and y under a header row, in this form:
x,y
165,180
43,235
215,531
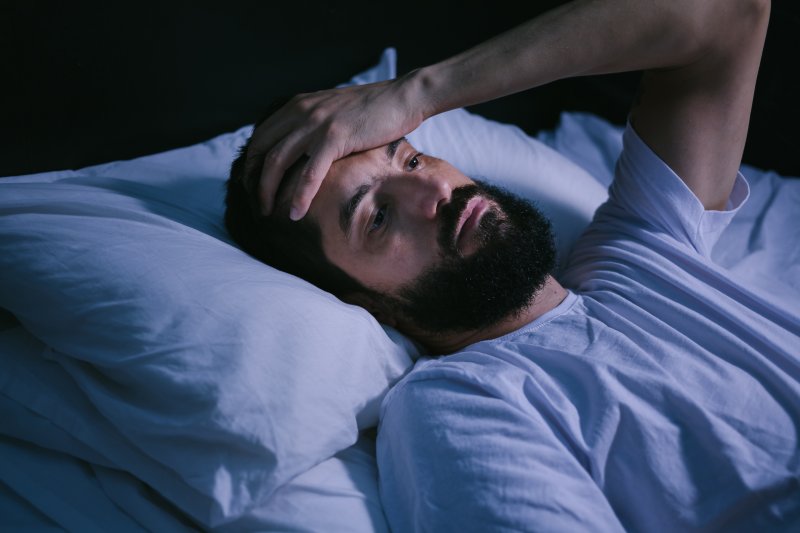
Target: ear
x,y
375,306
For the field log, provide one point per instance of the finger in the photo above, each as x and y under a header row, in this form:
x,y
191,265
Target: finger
x,y
280,111
263,139
276,162
310,180
280,123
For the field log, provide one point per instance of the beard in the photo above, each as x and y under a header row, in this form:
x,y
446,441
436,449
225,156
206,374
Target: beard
x,y
499,280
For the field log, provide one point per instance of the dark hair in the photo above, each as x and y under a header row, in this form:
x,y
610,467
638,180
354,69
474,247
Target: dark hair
x,y
294,247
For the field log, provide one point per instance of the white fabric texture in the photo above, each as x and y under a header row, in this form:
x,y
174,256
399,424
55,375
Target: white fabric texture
x,y
209,376
662,395
58,479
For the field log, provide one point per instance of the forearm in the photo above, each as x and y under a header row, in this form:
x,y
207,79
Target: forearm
x,y
580,38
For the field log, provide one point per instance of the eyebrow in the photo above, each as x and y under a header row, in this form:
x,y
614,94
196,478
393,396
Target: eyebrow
x,y
391,148
348,208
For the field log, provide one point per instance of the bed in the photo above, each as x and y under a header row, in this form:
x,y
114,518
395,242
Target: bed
x,y
155,377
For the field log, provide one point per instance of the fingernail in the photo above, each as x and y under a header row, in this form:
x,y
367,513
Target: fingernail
x,y
294,213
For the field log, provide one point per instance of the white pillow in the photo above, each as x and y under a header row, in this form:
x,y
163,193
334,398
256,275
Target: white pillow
x,y
233,375
230,375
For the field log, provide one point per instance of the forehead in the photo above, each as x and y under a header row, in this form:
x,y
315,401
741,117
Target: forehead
x,y
344,179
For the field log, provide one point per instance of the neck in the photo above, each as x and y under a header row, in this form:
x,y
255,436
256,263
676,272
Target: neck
x,y
547,298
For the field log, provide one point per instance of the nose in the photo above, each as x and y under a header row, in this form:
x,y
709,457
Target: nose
x,y
426,194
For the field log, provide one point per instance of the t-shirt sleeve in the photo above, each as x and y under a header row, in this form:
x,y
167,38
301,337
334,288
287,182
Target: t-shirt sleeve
x,y
646,190
453,455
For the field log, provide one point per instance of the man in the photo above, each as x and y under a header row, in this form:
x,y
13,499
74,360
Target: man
x,y
657,393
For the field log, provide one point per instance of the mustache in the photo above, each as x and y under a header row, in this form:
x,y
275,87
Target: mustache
x,y
450,213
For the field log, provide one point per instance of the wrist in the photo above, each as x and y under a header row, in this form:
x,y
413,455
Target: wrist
x,y
421,93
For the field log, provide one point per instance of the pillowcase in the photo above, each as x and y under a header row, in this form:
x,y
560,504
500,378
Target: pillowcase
x,y
229,375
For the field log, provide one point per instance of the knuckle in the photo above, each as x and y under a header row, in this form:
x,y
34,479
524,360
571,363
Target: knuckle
x,y
334,129
308,177
317,115
273,158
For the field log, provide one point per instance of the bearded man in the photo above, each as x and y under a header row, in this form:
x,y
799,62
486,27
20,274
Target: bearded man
x,y
647,389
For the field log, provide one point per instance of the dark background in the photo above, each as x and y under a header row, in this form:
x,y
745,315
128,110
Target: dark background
x,y
89,82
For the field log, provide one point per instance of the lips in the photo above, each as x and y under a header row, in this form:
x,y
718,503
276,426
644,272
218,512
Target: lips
x,y
469,220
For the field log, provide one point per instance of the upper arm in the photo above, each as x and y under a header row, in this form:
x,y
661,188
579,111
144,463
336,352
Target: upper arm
x,y
695,115
454,456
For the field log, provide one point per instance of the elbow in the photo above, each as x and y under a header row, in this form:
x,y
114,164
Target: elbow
x,y
721,12
749,20
754,12
721,25
761,6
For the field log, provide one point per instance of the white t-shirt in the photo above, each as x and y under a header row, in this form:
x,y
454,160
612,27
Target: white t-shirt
x,y
660,395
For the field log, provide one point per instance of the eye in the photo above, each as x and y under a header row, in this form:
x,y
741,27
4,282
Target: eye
x,y
414,162
379,219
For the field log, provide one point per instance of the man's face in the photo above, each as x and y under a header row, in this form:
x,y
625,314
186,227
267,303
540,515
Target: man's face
x,y
449,253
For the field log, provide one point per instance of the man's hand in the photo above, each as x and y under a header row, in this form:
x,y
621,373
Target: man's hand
x,y
327,126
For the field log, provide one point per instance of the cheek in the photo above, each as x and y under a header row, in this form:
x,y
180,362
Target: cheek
x,y
399,259
389,268
410,254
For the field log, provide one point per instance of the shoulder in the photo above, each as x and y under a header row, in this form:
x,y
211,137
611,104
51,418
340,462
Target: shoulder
x,y
462,442
432,378
448,388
